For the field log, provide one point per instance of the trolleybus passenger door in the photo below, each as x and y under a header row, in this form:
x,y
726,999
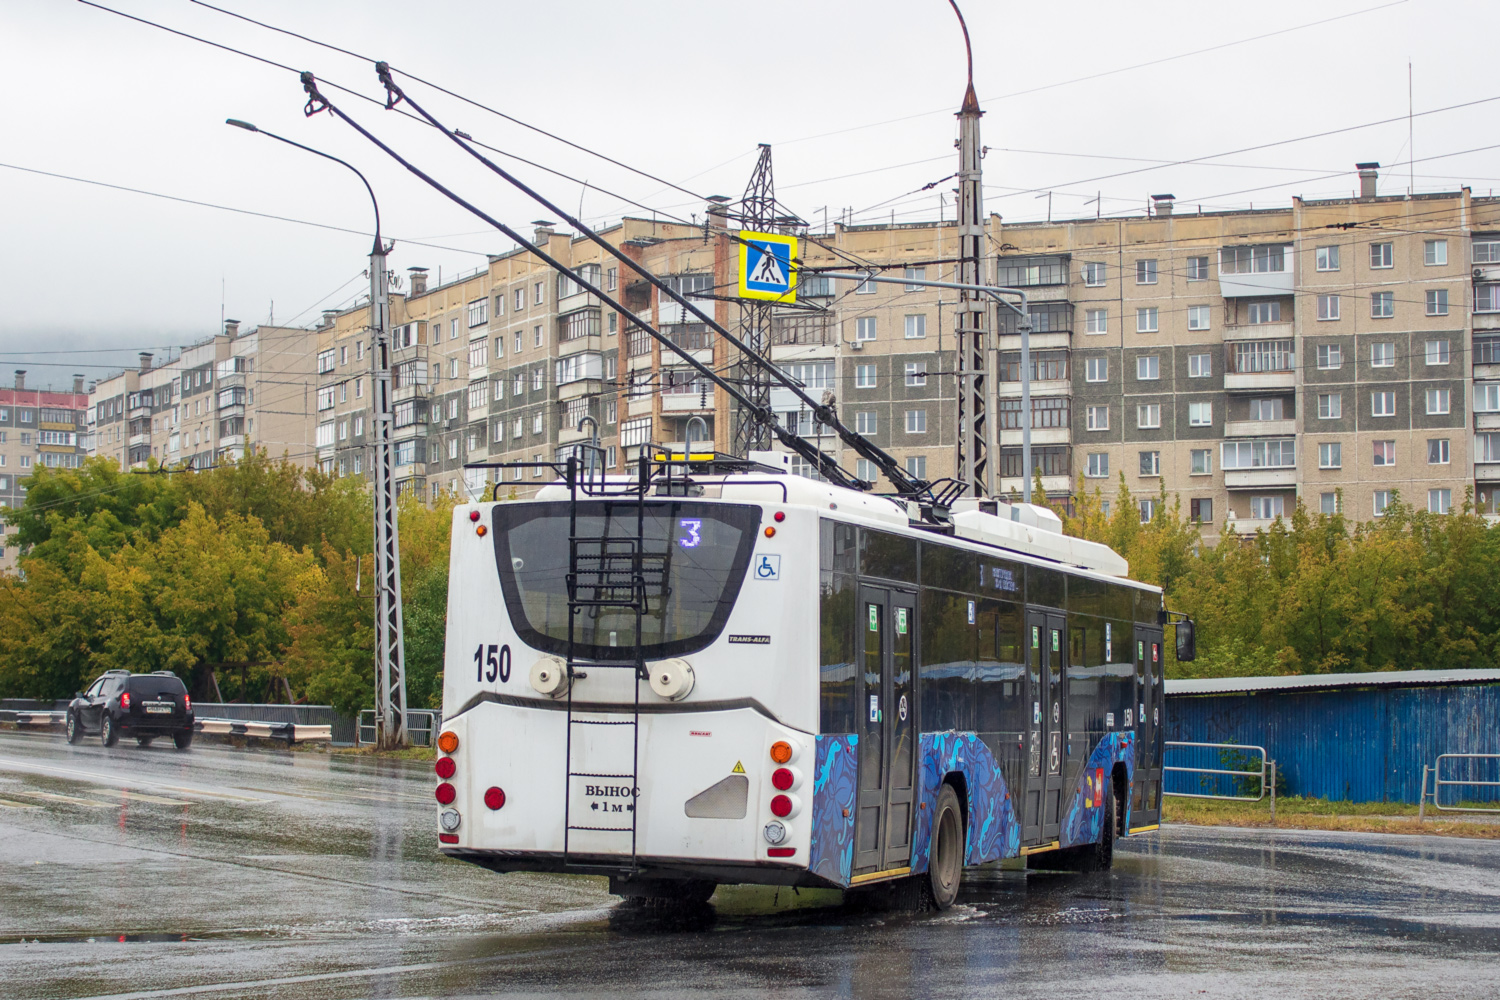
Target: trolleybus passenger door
x,y
1146,798
1035,693
1055,723
887,732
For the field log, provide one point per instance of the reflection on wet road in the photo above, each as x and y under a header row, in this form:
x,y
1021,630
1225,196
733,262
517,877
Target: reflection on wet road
x,y
231,873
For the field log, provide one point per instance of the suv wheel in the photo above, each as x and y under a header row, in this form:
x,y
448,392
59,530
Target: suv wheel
x,y
183,739
108,732
75,731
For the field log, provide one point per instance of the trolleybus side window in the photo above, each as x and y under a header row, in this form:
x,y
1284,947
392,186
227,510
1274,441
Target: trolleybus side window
x,y
837,668
887,556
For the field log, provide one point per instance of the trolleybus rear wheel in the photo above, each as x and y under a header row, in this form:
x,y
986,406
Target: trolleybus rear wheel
x,y
945,866
656,893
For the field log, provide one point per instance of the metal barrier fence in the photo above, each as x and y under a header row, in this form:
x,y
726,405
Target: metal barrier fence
x,y
422,725
1438,782
1265,775
341,726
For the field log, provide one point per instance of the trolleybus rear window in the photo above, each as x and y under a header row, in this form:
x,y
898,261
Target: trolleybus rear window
x,y
692,562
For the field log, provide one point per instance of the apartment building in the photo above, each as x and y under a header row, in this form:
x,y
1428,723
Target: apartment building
x,y
220,396
38,427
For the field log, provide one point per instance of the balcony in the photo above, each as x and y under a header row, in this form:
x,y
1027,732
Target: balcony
x,y
1487,421
1262,284
681,402
1260,428
1039,436
232,444
1487,371
1487,472
1249,479
410,392
231,380
1258,331
138,439
1050,485
1259,381
1249,525
1039,387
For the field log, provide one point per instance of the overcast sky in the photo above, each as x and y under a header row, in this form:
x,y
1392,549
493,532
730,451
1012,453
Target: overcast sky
x,y
857,100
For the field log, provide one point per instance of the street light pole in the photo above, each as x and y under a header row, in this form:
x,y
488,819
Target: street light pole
x,y
390,652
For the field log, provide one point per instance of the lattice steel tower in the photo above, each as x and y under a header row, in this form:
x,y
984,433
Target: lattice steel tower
x,y
974,467
757,213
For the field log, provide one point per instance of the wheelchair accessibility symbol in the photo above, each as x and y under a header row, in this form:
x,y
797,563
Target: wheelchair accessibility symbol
x,y
768,567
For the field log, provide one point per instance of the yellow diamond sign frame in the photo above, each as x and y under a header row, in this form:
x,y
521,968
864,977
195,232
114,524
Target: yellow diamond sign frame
x,y
768,267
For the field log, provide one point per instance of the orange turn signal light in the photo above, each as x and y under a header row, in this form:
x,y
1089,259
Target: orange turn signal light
x,y
781,751
448,741
481,531
770,531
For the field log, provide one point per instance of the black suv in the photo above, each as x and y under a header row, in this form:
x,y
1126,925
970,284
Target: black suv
x,y
141,705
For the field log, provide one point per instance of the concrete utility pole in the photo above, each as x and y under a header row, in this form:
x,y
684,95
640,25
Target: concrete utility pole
x,y
390,651
974,468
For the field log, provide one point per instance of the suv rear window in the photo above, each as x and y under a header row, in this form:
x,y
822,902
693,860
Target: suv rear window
x,y
156,685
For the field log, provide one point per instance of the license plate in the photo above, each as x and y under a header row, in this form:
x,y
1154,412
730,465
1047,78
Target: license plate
x,y
158,707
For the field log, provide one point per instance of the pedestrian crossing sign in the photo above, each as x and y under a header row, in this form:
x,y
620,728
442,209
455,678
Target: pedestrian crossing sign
x,y
768,268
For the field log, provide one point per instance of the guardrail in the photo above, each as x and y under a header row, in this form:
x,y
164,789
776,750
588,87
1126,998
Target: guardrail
x,y
291,732
1266,774
1438,781
31,718
422,725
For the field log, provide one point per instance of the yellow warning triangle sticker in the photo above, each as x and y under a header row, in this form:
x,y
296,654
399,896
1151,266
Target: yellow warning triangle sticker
x,y
739,768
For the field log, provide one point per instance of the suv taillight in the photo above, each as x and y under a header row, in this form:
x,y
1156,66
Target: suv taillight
x,y
187,703
125,700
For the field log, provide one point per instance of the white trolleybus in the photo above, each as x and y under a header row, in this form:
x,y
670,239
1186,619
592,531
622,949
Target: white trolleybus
x,y
727,673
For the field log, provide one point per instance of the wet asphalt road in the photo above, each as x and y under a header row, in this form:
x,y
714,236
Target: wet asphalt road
x,y
232,873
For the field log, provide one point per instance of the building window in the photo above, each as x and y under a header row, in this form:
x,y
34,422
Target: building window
x,y
864,329
1147,367
520,299
1098,465
1330,405
1252,260
536,336
1330,356
1098,418
916,421
1096,369
1201,510
1267,508
1145,320
916,326
1200,365
1382,255
915,274
1382,305
1265,312
1437,352
1439,501
916,373
916,466
479,312
865,287
1328,258
1093,274
1096,321
1150,463
1382,355
1328,307
865,422
1145,272
1148,510
1438,401
612,412
479,353
1384,453
1437,451
1197,269
1382,404
864,376
1200,414
1382,502
865,469
1265,409
1148,415
1031,271
1434,252
538,292
476,396
1328,503
1437,301
1330,455
537,375
1198,317
1487,298
1274,453
1202,461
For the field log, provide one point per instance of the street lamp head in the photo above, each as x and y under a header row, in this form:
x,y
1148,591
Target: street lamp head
x,y
239,124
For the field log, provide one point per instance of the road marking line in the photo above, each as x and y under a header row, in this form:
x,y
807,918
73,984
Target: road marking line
x,y
117,781
19,805
139,796
71,800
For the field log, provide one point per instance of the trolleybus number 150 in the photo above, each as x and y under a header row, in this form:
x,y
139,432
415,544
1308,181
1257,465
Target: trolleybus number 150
x,y
496,659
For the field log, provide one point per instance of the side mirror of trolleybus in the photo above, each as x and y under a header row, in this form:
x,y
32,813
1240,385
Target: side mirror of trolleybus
x,y
1187,646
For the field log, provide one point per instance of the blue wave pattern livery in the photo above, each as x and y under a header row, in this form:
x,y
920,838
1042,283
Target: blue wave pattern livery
x,y
1082,821
835,784
994,832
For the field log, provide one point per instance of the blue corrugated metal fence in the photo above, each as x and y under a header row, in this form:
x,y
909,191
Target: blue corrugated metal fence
x,y
1350,744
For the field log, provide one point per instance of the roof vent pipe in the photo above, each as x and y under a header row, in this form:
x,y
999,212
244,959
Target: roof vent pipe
x,y
1369,173
1163,203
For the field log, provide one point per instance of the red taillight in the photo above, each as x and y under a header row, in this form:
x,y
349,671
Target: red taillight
x,y
1098,786
494,797
187,703
782,778
781,805
446,793
447,838
125,700
780,516
780,852
473,515
445,768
